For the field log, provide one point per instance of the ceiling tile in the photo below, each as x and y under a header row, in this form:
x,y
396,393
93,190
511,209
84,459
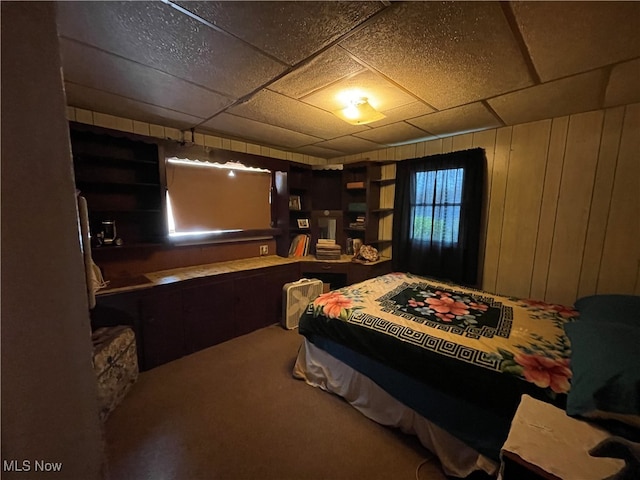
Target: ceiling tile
x,y
275,109
244,128
103,102
349,144
382,94
394,134
157,35
446,53
624,84
290,31
99,70
564,38
579,93
324,69
468,118
411,110
319,151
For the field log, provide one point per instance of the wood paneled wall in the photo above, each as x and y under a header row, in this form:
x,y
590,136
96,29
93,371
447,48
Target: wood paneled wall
x,y
562,211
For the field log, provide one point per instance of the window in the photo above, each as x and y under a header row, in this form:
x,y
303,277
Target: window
x,y
211,198
436,205
436,221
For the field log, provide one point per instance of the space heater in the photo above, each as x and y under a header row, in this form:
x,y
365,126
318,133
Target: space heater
x,y
296,296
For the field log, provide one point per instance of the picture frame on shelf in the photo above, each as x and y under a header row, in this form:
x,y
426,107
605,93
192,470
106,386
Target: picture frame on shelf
x,y
303,223
294,202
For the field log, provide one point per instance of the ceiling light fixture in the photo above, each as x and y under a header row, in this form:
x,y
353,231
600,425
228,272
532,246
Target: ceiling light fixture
x,y
359,112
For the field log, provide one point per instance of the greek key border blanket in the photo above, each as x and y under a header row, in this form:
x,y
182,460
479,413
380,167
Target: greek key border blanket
x,y
418,324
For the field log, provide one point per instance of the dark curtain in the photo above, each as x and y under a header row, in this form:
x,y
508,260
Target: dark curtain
x,y
441,188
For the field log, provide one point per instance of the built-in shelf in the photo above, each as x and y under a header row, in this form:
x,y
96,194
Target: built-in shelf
x,y
384,181
362,184
120,179
382,210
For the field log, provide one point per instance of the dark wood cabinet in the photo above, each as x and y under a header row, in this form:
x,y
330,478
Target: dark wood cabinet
x,y
161,333
277,277
249,296
327,189
359,272
209,315
174,320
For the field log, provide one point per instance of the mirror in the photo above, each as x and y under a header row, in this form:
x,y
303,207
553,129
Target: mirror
x,y
327,227
326,224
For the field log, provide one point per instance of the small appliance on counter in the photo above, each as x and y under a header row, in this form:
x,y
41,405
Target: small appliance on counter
x,y
108,235
108,232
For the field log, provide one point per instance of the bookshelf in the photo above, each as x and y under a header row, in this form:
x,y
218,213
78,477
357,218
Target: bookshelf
x,y
120,178
294,187
362,207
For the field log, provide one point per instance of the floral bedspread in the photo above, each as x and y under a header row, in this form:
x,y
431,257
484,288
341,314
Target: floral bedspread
x,y
380,317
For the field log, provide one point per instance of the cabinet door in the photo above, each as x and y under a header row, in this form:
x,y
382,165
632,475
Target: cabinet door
x,y
162,327
250,303
208,314
276,278
360,273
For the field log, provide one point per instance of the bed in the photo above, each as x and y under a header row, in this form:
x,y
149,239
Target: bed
x,y
438,360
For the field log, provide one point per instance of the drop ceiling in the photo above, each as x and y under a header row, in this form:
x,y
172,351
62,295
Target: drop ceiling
x,y
270,72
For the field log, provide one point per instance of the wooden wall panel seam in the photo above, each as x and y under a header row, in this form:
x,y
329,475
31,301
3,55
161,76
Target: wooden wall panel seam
x,y
599,167
581,156
620,250
545,190
492,251
615,172
523,197
555,213
504,203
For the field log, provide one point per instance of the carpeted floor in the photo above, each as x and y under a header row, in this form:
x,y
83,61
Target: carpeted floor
x,y
234,411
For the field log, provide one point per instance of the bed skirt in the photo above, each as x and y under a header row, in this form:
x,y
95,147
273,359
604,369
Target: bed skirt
x,y
320,369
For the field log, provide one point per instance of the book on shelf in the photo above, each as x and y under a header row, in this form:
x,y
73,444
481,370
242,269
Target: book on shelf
x,y
357,207
323,255
299,246
360,223
327,249
355,185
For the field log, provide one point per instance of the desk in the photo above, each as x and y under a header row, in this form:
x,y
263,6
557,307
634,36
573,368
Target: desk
x,y
545,443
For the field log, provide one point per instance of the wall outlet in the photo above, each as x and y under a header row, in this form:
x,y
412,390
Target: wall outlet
x,y
264,249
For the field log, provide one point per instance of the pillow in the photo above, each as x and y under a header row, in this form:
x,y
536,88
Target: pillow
x,y
610,308
605,361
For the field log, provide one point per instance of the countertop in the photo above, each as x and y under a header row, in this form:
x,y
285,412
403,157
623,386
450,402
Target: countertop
x,y
164,277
